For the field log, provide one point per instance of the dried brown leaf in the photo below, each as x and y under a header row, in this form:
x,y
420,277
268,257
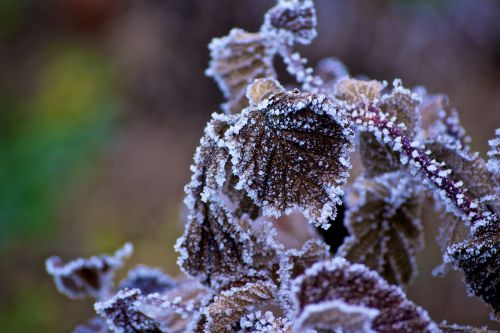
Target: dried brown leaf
x,y
81,278
236,60
360,289
292,152
384,226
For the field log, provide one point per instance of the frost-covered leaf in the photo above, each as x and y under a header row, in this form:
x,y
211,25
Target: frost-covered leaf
x,y
493,163
210,160
357,91
261,89
122,316
356,286
469,170
227,307
258,322
87,277
293,20
432,112
297,261
402,104
236,60
294,263
148,280
384,224
377,158
454,328
479,259
452,230
214,246
331,70
94,325
292,152
176,308
336,316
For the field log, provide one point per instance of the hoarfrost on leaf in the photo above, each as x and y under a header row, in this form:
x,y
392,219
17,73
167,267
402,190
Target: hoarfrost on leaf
x,y
87,277
383,220
148,280
292,153
122,316
236,60
292,20
355,285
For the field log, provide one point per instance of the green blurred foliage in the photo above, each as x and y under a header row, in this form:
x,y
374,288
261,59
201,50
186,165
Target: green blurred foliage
x,y
49,138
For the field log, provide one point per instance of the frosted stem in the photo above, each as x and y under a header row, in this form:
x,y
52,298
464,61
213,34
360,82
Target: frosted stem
x,y
373,120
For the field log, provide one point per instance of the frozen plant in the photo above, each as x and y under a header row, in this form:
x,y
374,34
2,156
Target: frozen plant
x,y
275,153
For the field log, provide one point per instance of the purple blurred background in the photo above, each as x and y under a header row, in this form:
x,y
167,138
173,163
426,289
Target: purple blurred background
x,y
102,103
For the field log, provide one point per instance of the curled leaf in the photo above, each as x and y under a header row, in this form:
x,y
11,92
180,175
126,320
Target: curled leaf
x,y
294,20
122,316
479,259
148,280
384,224
494,156
87,277
214,246
231,304
292,152
236,60
334,316
357,287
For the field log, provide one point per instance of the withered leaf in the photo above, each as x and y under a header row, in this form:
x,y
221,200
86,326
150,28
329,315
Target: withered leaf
x,y
231,304
336,316
479,259
87,277
148,280
357,91
292,152
214,246
493,163
297,261
377,158
468,168
402,104
236,60
355,285
122,315
295,20
452,230
384,226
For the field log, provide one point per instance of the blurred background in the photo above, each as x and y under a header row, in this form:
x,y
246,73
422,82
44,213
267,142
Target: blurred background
x,y
102,103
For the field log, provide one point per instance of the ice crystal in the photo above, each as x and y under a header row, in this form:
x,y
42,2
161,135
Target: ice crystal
x,y
87,277
494,155
258,322
292,152
366,298
454,328
384,226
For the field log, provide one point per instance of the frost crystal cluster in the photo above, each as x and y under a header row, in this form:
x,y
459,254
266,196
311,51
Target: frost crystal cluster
x,y
270,173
